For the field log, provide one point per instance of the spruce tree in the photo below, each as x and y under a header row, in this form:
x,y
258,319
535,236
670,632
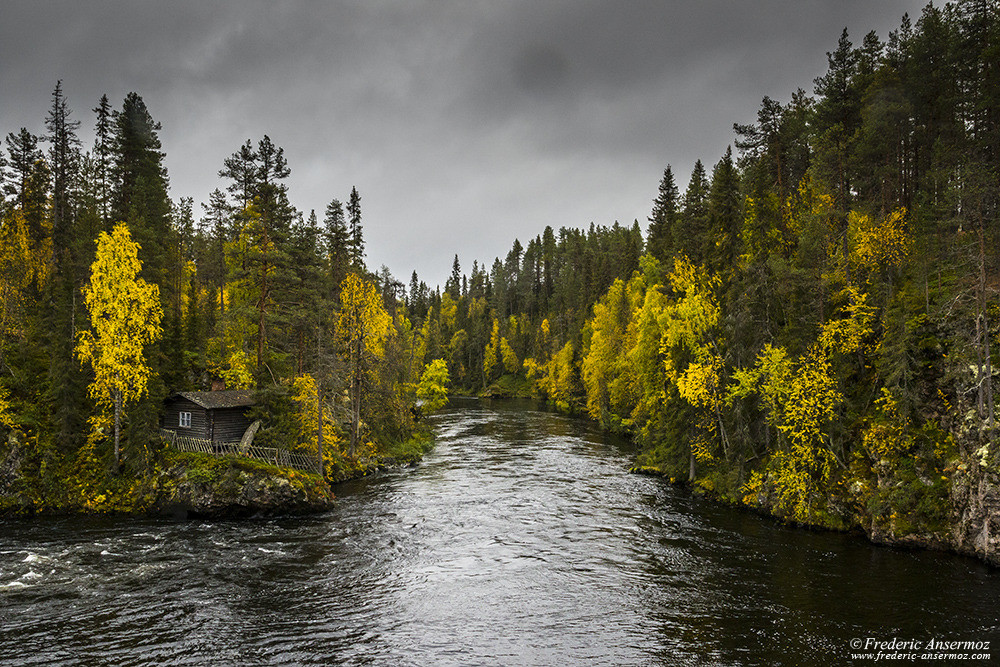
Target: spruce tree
x,y
24,153
454,283
659,237
690,231
725,216
216,228
65,382
64,156
357,241
337,240
103,153
140,195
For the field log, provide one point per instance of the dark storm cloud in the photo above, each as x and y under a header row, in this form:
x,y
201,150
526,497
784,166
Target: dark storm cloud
x,y
463,124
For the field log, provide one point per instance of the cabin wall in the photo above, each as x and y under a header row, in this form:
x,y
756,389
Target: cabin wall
x,y
230,424
199,419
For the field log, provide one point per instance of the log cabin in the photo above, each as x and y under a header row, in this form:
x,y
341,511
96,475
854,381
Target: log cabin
x,y
218,416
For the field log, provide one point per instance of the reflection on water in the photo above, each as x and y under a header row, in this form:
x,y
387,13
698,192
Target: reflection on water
x,y
519,540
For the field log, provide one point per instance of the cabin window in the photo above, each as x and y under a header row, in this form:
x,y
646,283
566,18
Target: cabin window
x,y
185,420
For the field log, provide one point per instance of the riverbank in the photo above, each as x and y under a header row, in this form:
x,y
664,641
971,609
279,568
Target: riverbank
x,y
184,484
519,540
956,512
946,501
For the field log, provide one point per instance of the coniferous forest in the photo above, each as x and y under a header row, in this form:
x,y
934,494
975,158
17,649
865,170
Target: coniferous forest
x,y
802,326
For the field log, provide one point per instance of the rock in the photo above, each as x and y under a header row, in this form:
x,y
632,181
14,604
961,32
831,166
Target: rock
x,y
976,517
230,492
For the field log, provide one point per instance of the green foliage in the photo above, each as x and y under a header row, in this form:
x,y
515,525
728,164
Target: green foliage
x,y
433,386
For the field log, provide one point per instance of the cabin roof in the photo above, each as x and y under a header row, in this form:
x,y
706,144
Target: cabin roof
x,y
210,400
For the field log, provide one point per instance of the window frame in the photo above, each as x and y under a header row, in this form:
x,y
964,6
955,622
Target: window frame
x,y
184,420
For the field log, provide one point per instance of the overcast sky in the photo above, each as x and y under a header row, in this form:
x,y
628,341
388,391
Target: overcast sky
x,y
462,124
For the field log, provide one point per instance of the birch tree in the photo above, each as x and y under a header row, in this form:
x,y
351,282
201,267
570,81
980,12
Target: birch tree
x,y
362,328
125,316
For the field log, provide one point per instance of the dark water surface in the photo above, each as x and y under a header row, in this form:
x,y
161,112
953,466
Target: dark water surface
x,y
520,539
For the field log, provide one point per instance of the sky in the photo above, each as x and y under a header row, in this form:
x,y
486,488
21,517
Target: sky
x,y
463,124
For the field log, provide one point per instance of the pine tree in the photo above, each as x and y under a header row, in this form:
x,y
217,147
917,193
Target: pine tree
x,y
241,167
838,115
264,268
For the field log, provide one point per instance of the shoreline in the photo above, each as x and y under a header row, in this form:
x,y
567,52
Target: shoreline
x,y
186,485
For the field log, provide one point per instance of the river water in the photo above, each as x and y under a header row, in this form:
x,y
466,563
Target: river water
x,y
520,539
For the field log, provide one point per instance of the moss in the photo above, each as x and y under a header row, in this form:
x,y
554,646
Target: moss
x,y
85,484
509,386
412,449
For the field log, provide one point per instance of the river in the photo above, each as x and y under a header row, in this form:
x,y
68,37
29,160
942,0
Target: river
x,y
520,539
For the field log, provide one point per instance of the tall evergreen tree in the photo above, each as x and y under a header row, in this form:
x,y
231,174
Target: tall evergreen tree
x,y
357,240
24,153
64,156
242,169
691,229
337,240
659,238
65,382
140,196
264,269
216,228
838,113
725,215
103,154
454,283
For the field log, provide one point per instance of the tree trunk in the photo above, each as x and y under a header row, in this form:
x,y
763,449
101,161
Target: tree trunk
x,y
983,331
319,400
118,423
355,395
319,429
355,415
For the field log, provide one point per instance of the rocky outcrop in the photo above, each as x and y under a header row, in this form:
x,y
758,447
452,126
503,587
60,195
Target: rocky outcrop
x,y
231,492
975,526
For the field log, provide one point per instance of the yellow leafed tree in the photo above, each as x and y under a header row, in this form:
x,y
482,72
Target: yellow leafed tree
x,y
362,329
694,362
878,243
433,386
125,316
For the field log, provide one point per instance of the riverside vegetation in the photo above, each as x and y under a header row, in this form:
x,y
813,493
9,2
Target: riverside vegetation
x,y
112,297
806,330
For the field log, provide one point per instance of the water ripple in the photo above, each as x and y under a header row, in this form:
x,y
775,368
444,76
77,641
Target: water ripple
x,y
519,540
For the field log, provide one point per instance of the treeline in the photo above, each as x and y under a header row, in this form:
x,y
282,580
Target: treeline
x,y
252,294
808,327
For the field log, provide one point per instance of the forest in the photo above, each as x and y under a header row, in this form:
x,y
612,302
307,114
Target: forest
x,y
113,296
805,329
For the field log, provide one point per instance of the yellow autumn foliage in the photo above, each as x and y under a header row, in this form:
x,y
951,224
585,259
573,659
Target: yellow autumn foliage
x,y
878,244
125,316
